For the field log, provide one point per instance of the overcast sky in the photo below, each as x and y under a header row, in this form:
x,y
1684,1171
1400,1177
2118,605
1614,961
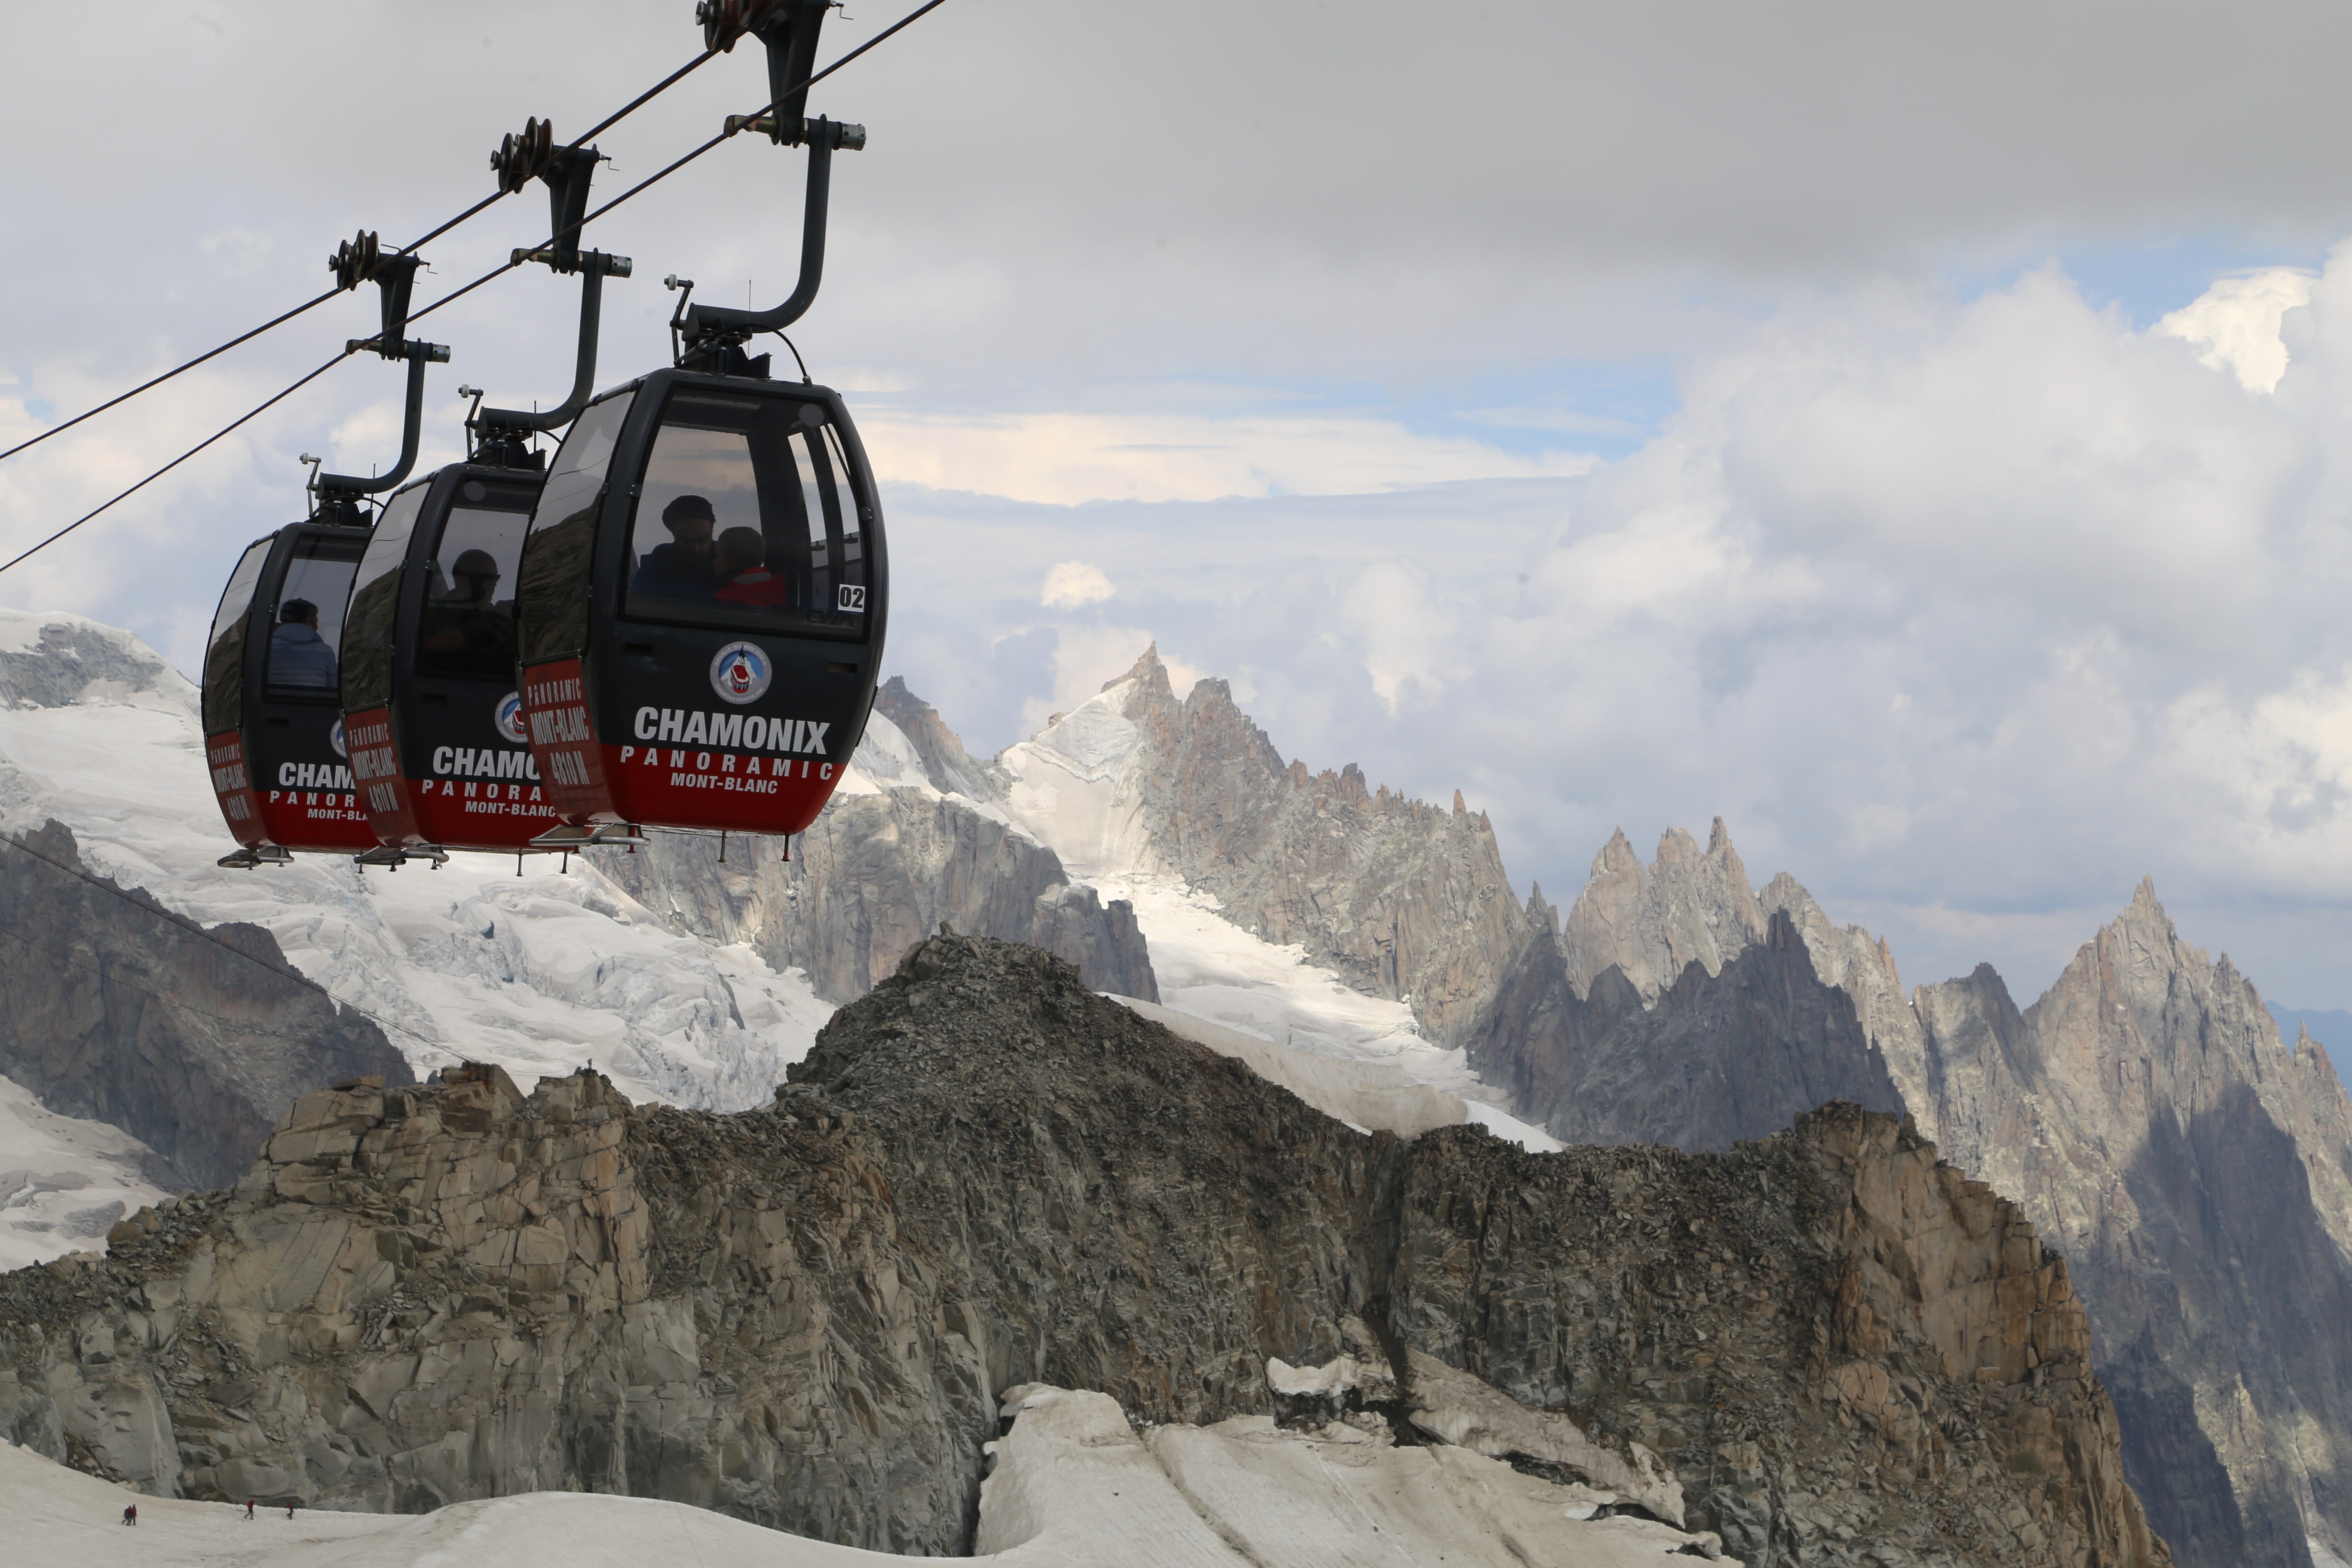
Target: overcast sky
x,y
1910,434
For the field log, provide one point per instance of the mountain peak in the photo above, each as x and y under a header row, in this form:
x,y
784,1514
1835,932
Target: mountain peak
x,y
1617,854
1718,838
1145,665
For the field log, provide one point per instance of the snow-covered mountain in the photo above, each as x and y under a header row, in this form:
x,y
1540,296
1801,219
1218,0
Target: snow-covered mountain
x,y
1301,908
536,966
685,977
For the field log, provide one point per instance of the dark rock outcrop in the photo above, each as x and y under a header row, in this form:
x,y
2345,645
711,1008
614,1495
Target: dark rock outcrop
x,y
878,871
1718,1058
111,1009
2198,1170
985,1176
2195,1168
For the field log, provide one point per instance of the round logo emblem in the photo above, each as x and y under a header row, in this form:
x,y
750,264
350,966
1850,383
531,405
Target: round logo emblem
x,y
740,673
508,717
335,739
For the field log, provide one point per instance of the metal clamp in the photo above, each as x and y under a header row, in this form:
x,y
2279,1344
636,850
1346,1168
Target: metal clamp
x,y
846,137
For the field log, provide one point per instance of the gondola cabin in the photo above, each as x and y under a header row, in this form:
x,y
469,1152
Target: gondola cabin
x,y
274,736
703,607
431,707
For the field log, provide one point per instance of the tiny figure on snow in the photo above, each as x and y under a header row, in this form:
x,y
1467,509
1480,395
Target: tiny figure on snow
x,y
248,1506
131,1514
290,1510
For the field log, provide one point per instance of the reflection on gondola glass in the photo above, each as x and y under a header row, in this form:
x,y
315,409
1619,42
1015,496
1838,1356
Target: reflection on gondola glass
x,y
225,653
308,621
468,630
746,519
375,605
554,587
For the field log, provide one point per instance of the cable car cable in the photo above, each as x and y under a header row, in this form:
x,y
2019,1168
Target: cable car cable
x,y
603,125
104,886
265,404
735,124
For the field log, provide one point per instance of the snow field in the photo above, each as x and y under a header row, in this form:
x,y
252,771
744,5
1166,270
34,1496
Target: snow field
x,y
63,1180
1071,1486
540,972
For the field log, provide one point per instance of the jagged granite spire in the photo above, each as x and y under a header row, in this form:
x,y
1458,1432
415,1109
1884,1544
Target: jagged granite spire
x,y
1651,923
2195,1168
1402,898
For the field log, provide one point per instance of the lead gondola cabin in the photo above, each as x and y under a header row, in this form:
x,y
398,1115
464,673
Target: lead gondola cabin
x,y
703,600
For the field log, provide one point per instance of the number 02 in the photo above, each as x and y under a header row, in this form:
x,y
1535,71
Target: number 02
x,y
852,597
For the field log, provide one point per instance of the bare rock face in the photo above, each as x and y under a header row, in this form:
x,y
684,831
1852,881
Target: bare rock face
x,y
109,1008
1650,924
2199,1171
1830,1347
883,866
951,768
1717,1057
2196,1170
1401,898
1668,1301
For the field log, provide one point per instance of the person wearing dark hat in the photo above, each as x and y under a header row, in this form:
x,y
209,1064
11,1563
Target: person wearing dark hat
x,y
468,633
686,567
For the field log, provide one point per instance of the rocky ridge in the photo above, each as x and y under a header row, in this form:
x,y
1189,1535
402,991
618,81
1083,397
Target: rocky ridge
x,y
1402,899
2195,1169
1833,1346
891,857
113,1010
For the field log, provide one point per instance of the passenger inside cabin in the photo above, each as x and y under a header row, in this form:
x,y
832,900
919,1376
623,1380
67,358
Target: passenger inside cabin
x,y
743,574
682,569
299,655
469,631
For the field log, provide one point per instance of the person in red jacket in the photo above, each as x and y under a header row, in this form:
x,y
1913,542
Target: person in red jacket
x,y
743,574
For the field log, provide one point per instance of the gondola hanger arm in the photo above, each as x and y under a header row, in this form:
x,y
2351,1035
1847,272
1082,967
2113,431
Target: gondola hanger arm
x,y
787,30
359,260
567,172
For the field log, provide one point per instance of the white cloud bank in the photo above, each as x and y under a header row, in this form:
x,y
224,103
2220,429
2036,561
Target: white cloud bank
x,y
1967,612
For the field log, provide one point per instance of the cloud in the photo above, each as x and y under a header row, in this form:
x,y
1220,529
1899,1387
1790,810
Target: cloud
x,y
1968,612
1073,583
1068,458
2236,323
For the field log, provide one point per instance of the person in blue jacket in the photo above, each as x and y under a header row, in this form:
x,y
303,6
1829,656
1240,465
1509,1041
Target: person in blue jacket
x,y
299,655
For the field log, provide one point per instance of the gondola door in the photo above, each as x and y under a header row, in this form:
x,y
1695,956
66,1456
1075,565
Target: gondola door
x,y
274,736
433,711
703,606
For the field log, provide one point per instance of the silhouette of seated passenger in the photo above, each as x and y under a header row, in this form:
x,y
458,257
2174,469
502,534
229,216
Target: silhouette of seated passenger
x,y
683,568
743,574
299,655
468,632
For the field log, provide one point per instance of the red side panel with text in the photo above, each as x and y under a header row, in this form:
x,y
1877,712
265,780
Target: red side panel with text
x,y
306,807
563,740
233,786
375,769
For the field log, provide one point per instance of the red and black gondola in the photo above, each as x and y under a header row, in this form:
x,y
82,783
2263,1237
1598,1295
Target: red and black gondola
x,y
703,602
431,710
432,718
274,737
274,734
706,586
